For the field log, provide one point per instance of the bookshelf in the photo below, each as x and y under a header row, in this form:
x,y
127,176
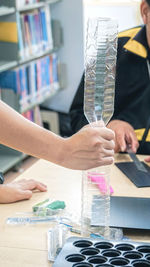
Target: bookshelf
x,y
24,56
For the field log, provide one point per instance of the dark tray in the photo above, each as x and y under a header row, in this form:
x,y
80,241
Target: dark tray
x,y
84,252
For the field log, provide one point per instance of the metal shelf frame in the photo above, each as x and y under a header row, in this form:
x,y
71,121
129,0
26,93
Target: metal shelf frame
x,y
6,11
6,65
9,158
36,5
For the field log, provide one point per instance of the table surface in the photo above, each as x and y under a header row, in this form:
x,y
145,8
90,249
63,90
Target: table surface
x,y
26,246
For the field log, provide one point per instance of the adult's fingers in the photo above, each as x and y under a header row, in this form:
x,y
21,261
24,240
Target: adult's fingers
x,y
106,133
96,163
105,161
31,185
134,142
120,140
109,145
40,186
147,159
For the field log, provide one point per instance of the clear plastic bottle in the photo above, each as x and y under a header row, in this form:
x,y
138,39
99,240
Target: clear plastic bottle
x,y
100,62
95,202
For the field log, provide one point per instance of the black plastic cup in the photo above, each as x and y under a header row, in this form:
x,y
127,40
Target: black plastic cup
x,y
83,264
133,255
82,244
141,263
124,247
111,253
97,259
103,245
119,261
89,251
75,258
144,249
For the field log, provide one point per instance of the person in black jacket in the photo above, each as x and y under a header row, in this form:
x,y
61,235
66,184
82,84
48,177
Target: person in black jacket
x,y
131,118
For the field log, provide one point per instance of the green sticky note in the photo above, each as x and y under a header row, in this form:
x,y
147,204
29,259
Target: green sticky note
x,y
56,205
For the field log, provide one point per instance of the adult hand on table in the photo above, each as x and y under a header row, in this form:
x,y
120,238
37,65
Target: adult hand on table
x,y
20,190
124,134
147,159
90,147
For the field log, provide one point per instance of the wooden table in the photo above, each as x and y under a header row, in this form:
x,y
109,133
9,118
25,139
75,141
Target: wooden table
x,y
26,246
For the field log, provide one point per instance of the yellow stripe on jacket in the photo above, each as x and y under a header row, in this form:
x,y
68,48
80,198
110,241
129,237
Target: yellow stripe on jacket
x,y
132,45
129,33
139,134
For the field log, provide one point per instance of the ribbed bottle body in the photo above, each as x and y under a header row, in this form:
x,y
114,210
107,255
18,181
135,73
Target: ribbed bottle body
x,y
100,65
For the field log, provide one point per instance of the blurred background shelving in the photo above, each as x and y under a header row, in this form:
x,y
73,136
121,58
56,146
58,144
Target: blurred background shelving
x,y
29,64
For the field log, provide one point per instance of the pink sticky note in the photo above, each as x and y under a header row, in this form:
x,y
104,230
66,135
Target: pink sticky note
x,y
99,180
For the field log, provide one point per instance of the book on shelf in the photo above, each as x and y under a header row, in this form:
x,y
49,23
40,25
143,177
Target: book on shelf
x,y
20,37
8,80
34,115
29,115
28,36
33,81
31,70
23,86
49,27
39,76
33,32
8,29
37,116
55,71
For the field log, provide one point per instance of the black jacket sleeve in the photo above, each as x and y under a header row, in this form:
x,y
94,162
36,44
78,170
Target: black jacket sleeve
x,y
78,119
